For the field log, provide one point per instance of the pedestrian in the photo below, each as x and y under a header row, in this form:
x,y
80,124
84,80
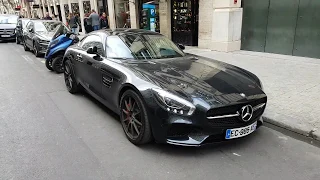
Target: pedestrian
x,y
73,23
94,19
104,21
54,17
47,17
87,24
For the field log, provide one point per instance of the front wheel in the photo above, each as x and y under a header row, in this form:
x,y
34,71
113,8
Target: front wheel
x,y
35,50
25,47
134,118
69,78
57,64
49,64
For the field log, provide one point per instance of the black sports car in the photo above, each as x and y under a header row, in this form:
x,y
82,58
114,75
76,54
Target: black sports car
x,y
38,34
162,93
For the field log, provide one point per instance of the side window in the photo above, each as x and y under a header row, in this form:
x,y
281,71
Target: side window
x,y
30,25
91,41
116,48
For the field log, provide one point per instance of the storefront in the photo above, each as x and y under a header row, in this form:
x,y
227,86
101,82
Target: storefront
x,y
122,14
184,21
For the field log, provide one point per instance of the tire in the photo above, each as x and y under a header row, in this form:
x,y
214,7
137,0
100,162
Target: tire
x,y
25,47
57,64
49,64
17,40
134,118
69,78
35,50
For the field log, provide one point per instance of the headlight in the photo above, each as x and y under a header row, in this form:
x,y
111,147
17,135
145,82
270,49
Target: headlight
x,y
260,84
173,103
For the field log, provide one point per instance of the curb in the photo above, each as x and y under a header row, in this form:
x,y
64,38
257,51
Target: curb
x,y
311,134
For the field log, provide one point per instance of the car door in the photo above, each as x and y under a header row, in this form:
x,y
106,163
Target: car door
x,y
29,34
88,65
111,77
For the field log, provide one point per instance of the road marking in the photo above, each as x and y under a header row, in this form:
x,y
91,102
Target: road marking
x,y
236,154
28,59
43,62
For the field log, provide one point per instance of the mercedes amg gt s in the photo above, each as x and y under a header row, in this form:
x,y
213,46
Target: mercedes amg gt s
x,y
160,92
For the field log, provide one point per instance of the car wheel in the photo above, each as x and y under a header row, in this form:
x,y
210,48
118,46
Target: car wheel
x,y
35,50
25,47
57,64
69,78
49,64
134,118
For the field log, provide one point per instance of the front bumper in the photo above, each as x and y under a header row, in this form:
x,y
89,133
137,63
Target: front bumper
x,y
7,37
195,130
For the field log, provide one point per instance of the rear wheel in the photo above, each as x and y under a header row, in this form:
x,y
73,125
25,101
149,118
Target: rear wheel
x,y
134,118
69,78
57,64
25,47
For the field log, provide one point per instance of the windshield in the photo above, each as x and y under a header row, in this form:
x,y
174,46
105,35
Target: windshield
x,y
24,23
8,20
135,46
46,26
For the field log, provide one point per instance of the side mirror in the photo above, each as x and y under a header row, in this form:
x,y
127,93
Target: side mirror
x,y
92,50
181,47
68,34
30,30
18,26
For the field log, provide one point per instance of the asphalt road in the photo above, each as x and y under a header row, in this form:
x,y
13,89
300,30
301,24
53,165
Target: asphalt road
x,y
47,133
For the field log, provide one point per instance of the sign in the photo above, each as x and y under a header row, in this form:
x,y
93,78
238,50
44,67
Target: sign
x,y
36,6
152,12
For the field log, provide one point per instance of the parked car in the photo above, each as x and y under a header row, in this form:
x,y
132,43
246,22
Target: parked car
x,y
8,25
162,93
21,25
38,34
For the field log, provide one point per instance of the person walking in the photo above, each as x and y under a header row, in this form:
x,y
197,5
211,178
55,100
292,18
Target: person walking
x,y
104,21
94,19
47,17
73,23
87,24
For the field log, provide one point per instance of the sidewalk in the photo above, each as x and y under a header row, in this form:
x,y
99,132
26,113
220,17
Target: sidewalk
x,y
291,83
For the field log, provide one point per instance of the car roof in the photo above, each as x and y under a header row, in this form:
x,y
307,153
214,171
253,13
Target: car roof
x,y
9,15
119,31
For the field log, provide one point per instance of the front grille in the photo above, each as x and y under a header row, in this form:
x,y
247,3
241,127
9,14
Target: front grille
x,y
6,31
234,121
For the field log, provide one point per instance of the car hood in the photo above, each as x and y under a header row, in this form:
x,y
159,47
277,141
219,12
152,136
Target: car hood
x,y
200,79
45,35
7,26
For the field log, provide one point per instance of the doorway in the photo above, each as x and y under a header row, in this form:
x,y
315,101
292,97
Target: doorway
x,y
184,21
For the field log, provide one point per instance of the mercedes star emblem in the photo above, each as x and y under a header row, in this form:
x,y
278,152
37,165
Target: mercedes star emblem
x,y
246,113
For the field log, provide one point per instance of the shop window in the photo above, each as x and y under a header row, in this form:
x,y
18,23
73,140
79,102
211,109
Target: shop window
x,y
122,14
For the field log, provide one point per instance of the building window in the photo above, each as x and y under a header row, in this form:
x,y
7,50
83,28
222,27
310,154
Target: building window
x,y
122,13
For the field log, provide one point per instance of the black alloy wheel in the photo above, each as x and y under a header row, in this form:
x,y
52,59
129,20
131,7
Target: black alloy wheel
x,y
57,64
134,119
25,47
49,64
35,50
69,78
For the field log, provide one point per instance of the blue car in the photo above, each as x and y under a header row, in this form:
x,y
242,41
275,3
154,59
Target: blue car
x,y
57,47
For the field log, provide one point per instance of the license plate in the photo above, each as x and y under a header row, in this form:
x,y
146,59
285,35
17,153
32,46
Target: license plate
x,y
240,132
5,36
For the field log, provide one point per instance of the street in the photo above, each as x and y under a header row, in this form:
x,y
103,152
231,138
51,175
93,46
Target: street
x,y
48,133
